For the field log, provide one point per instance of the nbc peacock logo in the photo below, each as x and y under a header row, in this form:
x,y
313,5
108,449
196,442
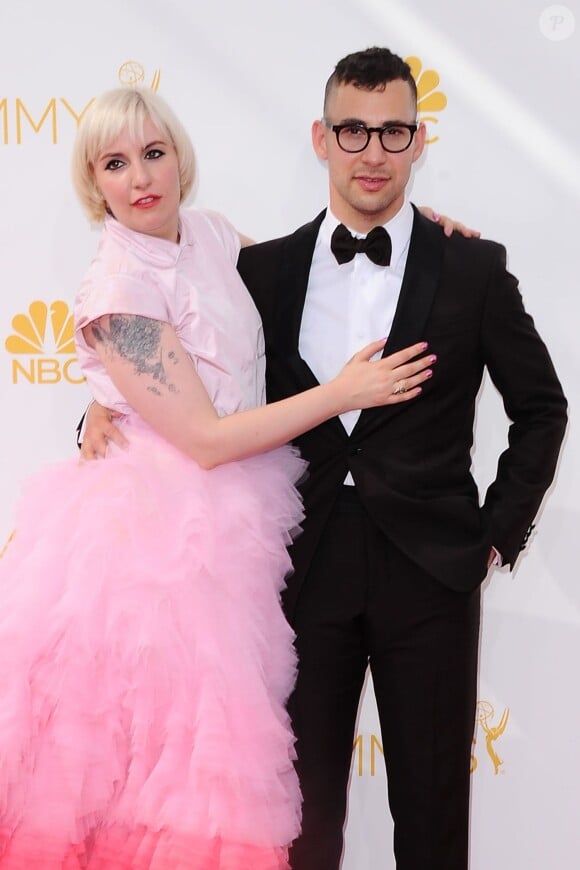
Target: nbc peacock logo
x,y
429,99
42,345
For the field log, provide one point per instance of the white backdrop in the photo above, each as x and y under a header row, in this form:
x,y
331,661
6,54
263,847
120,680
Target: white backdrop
x,y
247,79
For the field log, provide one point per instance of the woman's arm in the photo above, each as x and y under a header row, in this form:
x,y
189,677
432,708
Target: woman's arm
x,y
148,365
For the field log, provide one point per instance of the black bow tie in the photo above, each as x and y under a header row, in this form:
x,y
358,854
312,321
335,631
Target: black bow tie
x,y
377,245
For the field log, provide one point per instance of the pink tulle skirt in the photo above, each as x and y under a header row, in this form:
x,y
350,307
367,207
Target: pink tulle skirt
x,y
145,664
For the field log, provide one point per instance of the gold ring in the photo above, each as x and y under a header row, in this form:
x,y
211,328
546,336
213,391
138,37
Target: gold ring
x,y
399,388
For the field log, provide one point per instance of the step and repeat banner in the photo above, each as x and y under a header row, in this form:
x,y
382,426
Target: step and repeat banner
x,y
498,86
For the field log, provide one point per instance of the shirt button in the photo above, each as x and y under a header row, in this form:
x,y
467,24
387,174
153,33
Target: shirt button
x,y
355,451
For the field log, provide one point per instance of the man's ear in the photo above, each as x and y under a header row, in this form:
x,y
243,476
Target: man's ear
x,y
419,141
319,139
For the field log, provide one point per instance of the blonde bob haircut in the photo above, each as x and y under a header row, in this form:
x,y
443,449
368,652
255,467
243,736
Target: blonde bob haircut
x,y
107,116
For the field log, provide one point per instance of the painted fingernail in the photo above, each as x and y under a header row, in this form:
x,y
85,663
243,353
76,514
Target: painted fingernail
x,y
433,358
436,217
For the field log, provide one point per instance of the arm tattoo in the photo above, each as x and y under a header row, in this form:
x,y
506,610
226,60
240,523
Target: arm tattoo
x,y
138,340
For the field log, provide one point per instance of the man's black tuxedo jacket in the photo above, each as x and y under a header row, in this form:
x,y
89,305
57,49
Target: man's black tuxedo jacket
x,y
411,461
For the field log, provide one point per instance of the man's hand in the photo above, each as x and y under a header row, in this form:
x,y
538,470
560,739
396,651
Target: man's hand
x,y
99,430
447,224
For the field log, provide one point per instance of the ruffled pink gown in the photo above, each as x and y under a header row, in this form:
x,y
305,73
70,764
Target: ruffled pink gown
x,y
144,658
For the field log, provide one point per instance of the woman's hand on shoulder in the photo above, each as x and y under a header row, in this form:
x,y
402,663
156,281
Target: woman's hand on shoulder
x,y
447,224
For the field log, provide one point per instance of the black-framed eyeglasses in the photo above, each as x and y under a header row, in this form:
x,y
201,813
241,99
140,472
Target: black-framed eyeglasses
x,y
353,138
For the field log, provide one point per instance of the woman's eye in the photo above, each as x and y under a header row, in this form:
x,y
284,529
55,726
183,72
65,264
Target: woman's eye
x,y
113,164
154,154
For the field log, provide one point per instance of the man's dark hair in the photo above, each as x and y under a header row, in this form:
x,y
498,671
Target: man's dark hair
x,y
369,70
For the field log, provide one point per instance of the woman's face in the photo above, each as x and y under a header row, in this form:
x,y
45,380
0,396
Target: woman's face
x,y
140,182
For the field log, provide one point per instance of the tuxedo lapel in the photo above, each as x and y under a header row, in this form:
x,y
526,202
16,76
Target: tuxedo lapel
x,y
418,290
419,285
291,292
294,274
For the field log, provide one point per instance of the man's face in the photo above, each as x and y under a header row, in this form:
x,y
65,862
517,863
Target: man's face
x,y
368,188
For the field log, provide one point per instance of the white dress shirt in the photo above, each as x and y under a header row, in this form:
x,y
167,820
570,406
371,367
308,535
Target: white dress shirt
x,y
349,305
